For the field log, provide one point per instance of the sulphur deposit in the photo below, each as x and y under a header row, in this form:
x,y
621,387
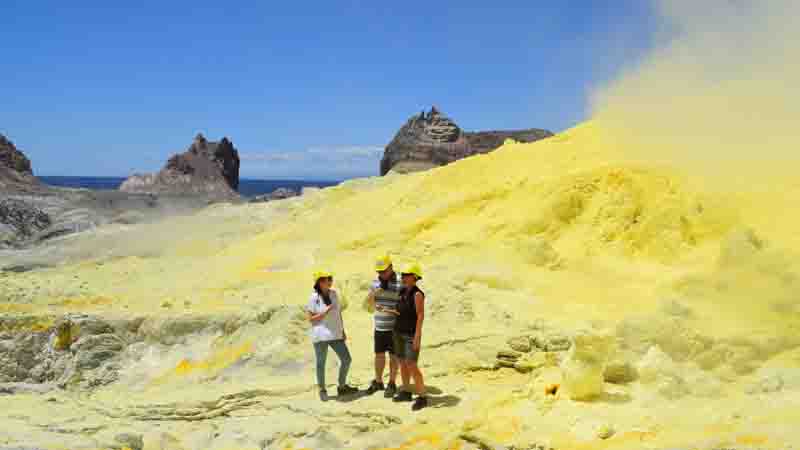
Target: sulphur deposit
x,y
663,314
629,283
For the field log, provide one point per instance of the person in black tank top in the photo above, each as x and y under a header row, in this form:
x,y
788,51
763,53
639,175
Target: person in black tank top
x,y
408,336
406,322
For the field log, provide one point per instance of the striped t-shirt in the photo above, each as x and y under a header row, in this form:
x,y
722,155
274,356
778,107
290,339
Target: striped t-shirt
x,y
386,298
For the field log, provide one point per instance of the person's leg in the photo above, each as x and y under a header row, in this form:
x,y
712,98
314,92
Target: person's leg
x,y
380,365
404,393
419,383
321,352
405,375
399,352
393,365
344,360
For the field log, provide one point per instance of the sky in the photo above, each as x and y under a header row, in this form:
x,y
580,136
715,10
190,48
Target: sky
x,y
311,89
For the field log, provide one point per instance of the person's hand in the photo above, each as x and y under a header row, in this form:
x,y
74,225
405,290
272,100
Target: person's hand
x,y
417,343
328,309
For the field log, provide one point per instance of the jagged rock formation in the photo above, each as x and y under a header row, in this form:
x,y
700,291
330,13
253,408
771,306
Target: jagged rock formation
x,y
12,158
206,169
19,219
431,139
277,194
32,212
15,168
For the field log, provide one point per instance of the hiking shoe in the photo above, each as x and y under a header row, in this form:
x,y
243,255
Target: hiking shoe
x,y
391,389
374,387
403,396
420,403
346,390
323,395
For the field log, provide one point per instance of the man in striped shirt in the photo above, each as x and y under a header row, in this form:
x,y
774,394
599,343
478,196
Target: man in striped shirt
x,y
382,300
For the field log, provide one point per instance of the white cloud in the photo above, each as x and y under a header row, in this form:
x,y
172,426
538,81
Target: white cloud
x,y
318,162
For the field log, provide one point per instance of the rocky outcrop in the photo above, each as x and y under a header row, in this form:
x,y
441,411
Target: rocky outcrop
x,y
431,139
20,220
15,168
206,168
12,158
277,194
32,212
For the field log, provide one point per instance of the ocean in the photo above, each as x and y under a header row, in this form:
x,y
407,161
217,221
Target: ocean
x,y
247,187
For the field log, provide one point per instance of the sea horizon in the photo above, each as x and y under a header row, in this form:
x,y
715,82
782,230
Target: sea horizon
x,y
248,187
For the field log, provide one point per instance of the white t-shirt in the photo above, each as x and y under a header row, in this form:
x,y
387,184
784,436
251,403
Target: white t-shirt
x,y
331,327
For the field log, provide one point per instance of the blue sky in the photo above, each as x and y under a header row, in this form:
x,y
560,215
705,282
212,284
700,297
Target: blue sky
x,y
303,89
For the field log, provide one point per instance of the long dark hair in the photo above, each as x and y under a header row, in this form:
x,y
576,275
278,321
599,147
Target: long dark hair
x,y
326,296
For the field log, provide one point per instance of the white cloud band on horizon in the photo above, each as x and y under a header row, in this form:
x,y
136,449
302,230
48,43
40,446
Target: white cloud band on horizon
x,y
318,162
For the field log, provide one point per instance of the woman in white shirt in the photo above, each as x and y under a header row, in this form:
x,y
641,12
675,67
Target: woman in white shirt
x,y
327,330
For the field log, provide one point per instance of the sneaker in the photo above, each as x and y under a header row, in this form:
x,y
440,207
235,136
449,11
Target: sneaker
x,y
391,389
323,395
403,396
374,387
346,390
420,403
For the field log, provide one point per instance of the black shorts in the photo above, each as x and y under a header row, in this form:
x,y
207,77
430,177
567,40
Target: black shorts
x,y
384,342
404,347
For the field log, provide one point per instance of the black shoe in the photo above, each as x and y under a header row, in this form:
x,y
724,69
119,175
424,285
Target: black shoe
x,y
374,387
403,396
391,389
346,390
323,395
420,403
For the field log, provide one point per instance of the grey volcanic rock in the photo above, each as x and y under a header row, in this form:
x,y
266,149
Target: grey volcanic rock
x,y
207,168
20,220
277,194
32,212
12,158
431,139
15,169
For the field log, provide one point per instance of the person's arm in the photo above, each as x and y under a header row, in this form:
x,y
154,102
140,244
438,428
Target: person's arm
x,y
317,317
369,302
312,317
419,302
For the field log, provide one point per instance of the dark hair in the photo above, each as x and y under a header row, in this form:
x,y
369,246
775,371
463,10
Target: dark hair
x,y
326,297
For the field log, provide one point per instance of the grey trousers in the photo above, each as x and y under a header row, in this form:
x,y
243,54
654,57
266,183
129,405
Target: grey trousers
x,y
321,351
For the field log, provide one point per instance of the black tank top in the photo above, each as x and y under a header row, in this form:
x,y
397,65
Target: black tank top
x,y
407,320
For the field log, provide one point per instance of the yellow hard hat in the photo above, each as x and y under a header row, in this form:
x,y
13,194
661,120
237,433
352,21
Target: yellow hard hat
x,y
383,263
413,269
321,274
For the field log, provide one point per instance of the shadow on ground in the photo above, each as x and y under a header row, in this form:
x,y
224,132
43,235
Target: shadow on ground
x,y
443,401
351,397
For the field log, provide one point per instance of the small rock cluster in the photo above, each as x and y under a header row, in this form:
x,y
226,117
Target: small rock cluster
x,y
76,350
528,352
583,369
20,220
593,358
277,194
